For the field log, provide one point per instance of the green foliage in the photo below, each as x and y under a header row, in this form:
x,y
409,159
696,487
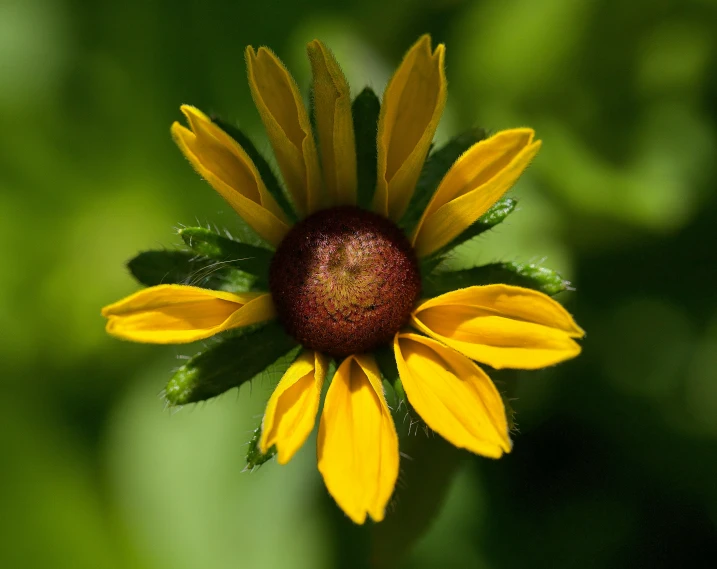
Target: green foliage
x,y
254,457
365,110
404,417
262,165
495,215
527,275
230,363
434,169
247,258
152,268
386,361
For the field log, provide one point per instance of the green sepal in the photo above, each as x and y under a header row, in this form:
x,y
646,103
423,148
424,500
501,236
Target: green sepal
x,y
495,215
153,268
527,275
262,165
400,393
386,360
365,110
404,417
254,457
331,368
247,258
434,170
230,363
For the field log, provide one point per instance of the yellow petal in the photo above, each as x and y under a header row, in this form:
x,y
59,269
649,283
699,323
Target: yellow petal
x,y
334,123
178,314
475,182
291,411
224,164
453,395
282,111
411,108
358,446
502,326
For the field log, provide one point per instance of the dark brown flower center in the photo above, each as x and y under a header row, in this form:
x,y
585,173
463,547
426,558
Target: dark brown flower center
x,y
344,281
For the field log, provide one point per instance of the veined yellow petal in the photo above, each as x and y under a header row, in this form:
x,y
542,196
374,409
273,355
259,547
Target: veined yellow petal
x,y
334,123
230,171
282,111
502,326
453,395
474,183
178,314
412,106
358,445
291,411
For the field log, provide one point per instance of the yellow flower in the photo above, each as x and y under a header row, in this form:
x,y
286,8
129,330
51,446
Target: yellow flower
x,y
345,280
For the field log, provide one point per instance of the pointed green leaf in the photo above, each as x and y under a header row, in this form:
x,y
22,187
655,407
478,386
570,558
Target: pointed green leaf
x,y
437,165
386,363
152,268
527,275
230,363
330,372
247,258
495,215
365,110
254,456
404,417
262,165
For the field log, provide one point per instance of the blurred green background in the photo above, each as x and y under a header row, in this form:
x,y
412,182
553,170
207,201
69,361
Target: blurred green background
x,y
615,464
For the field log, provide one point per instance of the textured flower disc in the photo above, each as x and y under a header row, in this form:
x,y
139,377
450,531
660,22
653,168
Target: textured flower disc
x,y
344,281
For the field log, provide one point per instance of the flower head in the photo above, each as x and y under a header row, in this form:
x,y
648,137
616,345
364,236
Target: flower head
x,y
359,272
344,281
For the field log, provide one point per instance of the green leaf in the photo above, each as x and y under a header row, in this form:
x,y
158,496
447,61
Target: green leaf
x,y
247,258
230,363
527,275
330,372
404,417
386,361
495,215
152,268
365,110
254,457
262,165
435,168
